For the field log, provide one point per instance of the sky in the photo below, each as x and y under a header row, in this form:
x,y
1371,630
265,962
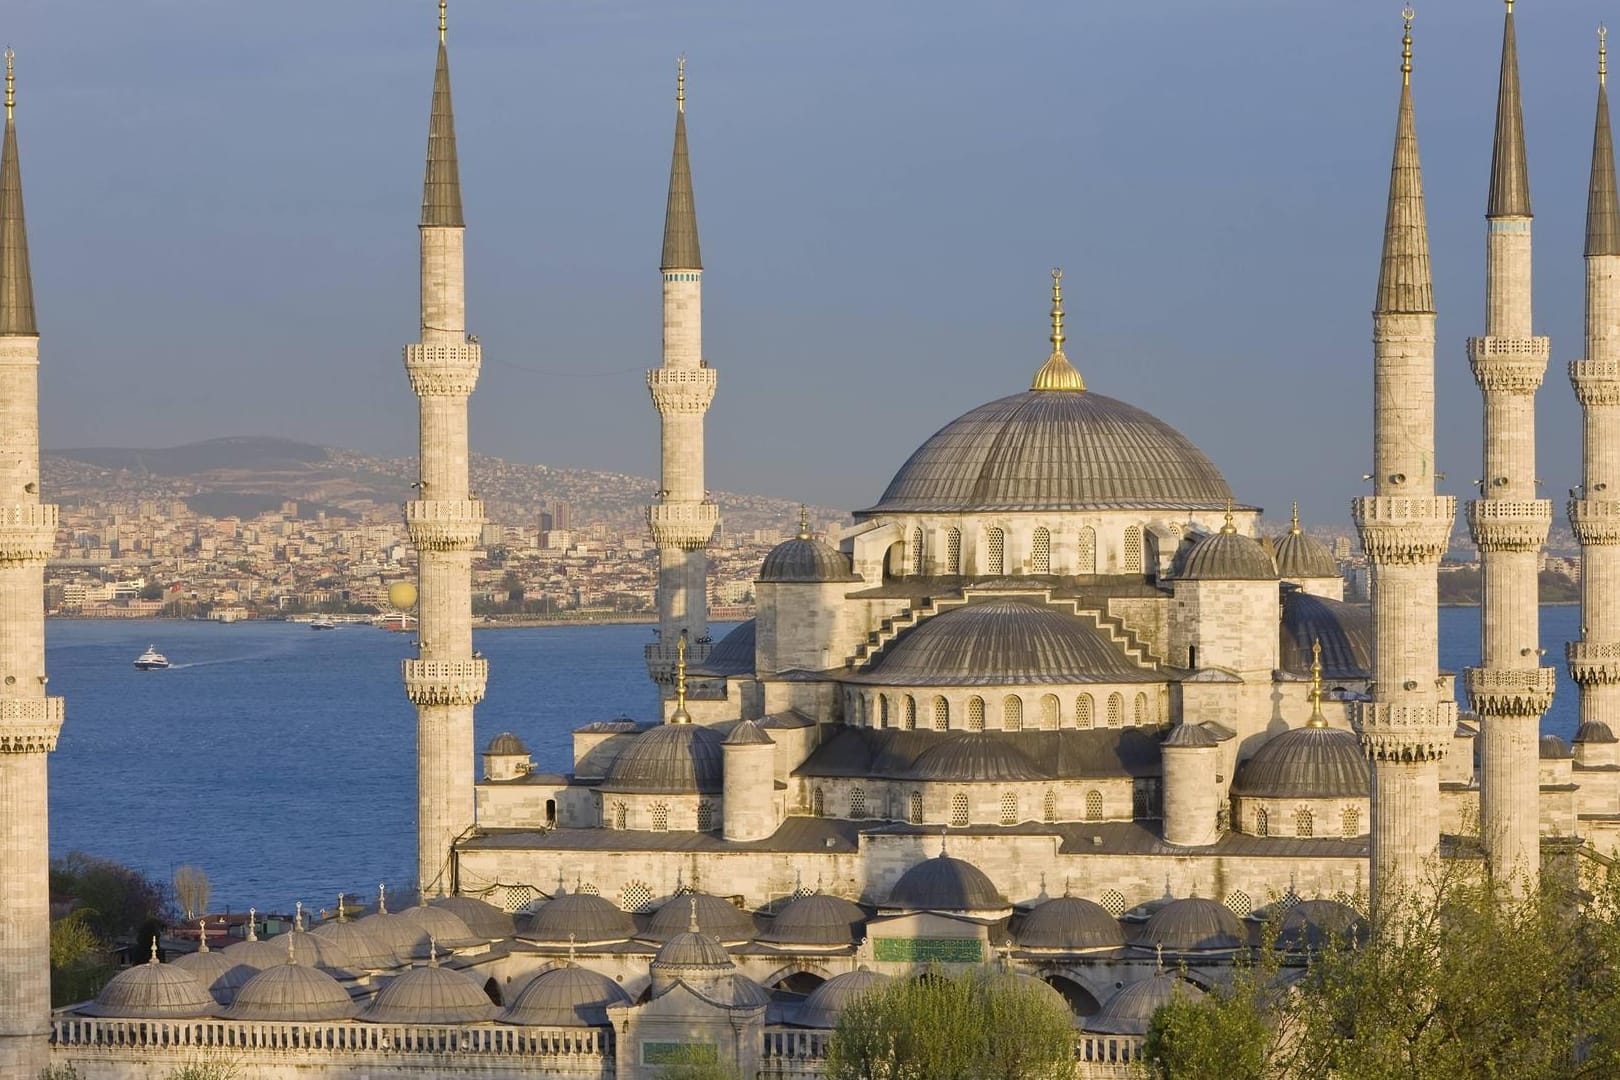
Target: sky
x,y
222,202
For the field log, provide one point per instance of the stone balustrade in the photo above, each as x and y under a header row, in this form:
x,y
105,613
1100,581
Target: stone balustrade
x,y
30,725
1509,524
1593,663
1511,692
1596,382
445,524
795,1053
1405,731
445,682
1509,365
685,525
1404,530
682,390
443,370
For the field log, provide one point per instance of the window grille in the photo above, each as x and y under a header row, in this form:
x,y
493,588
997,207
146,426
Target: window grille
x,y
660,817
1094,809
916,808
942,714
1133,550
1351,819
1262,822
976,714
818,803
1304,822
1040,553
998,552
1116,710
635,896
1239,904
911,713
589,889
1049,806
1009,808
1142,710
1112,902
883,710
959,809
621,815
857,803
1085,553
705,816
953,551
1012,713
1082,711
916,551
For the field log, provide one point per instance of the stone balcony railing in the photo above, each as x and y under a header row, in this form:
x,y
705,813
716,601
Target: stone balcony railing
x,y
445,524
1596,522
445,682
799,1054
1404,530
1596,382
1509,524
1510,692
27,532
682,390
443,370
685,525
1509,365
1405,731
30,725
1593,663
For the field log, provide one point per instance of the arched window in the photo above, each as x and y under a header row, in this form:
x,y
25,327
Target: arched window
x,y
1304,822
1093,805
818,803
1113,902
959,809
1082,711
910,718
1133,550
1049,712
975,714
883,710
916,552
1040,552
1049,806
1351,818
660,817
621,816
1262,822
953,551
1009,808
857,803
1142,710
998,552
705,816
1012,713
1085,551
1116,710
916,808
942,714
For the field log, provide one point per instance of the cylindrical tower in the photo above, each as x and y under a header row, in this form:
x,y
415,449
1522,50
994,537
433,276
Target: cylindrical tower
x,y
683,519
29,719
1510,689
748,784
1193,788
1594,508
445,523
1404,529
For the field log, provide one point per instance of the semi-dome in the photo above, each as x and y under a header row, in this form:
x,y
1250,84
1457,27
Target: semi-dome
x,y
1344,630
714,915
946,884
219,974
506,743
1312,924
1594,731
568,996
430,995
1306,763
1069,924
821,1008
1195,924
732,654
670,759
365,947
1002,642
804,559
588,919
1130,1011
1054,450
817,919
1301,556
483,918
1228,555
152,991
292,992
975,755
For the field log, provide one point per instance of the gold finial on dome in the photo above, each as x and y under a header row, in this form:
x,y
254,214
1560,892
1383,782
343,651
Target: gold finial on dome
x,y
443,20
680,715
1230,526
1406,46
804,522
1057,373
1295,527
11,81
1317,720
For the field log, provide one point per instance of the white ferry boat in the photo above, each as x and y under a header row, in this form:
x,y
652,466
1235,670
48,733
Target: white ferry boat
x,y
151,660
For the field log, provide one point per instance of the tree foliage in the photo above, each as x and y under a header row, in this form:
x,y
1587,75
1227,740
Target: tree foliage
x,y
120,900
191,891
698,1063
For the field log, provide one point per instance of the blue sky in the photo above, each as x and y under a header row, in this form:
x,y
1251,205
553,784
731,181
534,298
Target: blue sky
x,y
222,202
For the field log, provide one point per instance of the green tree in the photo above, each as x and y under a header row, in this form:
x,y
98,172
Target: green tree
x,y
698,1063
121,900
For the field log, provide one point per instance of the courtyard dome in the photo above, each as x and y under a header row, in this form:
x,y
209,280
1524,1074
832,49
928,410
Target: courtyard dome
x,y
1002,642
588,919
1594,731
1228,555
365,947
429,928
1312,924
670,759
805,560
219,974
691,951
569,996
817,919
506,743
152,991
1070,924
1130,1011
430,995
292,992
482,918
946,884
715,916
821,1008
1552,748
266,953
1306,763
1193,925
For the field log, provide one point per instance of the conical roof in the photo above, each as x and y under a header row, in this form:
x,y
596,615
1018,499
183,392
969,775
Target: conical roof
x,y
1405,285
16,280
680,216
1510,173
1602,204
441,187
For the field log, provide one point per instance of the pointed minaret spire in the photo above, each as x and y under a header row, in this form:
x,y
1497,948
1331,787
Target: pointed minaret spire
x,y
680,217
441,189
1404,284
1602,203
16,282
1510,176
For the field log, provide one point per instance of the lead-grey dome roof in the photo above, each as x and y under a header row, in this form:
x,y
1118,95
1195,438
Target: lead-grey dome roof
x,y
292,992
1344,630
483,918
806,560
1594,731
1130,1011
975,755
1002,642
569,996
1228,556
672,759
1302,556
430,995
363,946
821,1008
946,884
715,916
733,654
152,991
1195,924
817,919
691,951
1311,924
1071,924
1306,763
220,975
506,743
1054,450
590,919
1552,748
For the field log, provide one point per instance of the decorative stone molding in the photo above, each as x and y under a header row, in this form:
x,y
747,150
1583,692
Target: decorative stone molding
x,y
30,725
1509,524
445,682
1510,692
443,370
445,524
1402,531
1596,382
1404,731
1509,365
1596,522
688,526
27,533
682,390
1593,663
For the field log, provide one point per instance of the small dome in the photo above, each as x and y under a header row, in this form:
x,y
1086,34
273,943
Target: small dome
x,y
715,916
1552,748
430,995
805,560
308,949
821,1008
975,755
590,919
674,759
401,934
484,919
1190,735
748,733
817,919
1311,924
220,975
1196,924
507,743
1130,1011
1594,731
292,992
435,929
691,951
152,991
1344,630
1070,924
1228,556
569,996
1300,556
1306,763
365,947
1020,980
946,884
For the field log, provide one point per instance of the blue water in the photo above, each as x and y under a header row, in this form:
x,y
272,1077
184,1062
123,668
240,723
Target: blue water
x,y
281,760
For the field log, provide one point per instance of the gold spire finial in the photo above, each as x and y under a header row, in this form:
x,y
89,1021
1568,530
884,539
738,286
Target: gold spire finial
x,y
1230,526
1510,7
1057,338
1406,46
680,83
680,715
11,81
1317,720
1295,527
1603,54
804,522
1057,373
443,20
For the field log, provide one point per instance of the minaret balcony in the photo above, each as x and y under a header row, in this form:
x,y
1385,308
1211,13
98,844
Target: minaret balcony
x,y
1593,663
445,682
443,370
1510,692
1596,382
30,725
27,533
1509,365
1596,521
688,526
445,524
1396,731
1509,524
1402,530
682,390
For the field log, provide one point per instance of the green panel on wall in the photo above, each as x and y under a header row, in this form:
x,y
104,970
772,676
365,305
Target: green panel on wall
x,y
928,950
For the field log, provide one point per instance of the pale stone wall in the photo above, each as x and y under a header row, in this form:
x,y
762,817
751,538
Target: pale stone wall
x,y
1231,624
750,792
802,626
1194,791
1043,707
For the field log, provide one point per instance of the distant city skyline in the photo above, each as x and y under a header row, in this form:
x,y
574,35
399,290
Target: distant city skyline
x,y
221,203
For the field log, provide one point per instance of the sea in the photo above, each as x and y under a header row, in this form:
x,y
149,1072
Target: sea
x,y
280,760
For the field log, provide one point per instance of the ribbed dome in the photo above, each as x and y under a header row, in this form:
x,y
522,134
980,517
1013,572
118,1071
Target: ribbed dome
x,y
1552,748
590,919
1306,763
691,951
1002,642
430,995
817,919
1228,556
569,996
401,934
220,975
1044,450
821,1008
365,948
1196,924
1344,630
506,743
1130,1011
673,759
308,949
152,991
435,929
1196,736
748,733
1070,924
946,884
1594,731
805,560
292,992
973,756
732,654
1300,556
484,919
1311,924
715,916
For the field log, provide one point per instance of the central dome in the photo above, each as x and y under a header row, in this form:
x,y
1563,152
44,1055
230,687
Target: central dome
x,y
1055,450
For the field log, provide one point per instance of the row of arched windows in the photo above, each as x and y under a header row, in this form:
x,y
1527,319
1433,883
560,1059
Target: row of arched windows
x,y
1040,552
1305,822
902,712
617,816
1011,810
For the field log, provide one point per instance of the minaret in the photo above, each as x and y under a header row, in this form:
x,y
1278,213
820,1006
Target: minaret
x,y
1510,689
445,522
1404,528
29,720
683,519
1594,660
